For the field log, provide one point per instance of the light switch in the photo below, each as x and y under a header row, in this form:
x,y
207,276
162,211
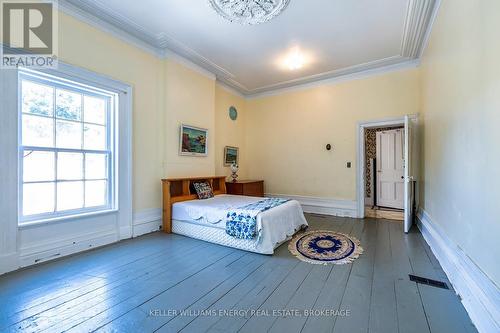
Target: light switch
x,y
348,165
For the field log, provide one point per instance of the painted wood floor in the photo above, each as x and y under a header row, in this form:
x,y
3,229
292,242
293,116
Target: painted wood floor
x,y
142,285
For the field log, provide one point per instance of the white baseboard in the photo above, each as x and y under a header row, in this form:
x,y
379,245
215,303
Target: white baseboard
x,y
63,247
480,296
8,262
326,206
147,221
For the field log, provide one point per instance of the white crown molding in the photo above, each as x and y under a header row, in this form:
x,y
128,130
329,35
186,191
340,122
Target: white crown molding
x,y
361,73
428,33
480,296
417,29
417,26
230,89
189,64
122,32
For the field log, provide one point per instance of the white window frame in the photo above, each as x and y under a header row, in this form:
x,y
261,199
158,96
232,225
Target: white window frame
x,y
109,152
119,169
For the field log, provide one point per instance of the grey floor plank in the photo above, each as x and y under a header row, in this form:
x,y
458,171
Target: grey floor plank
x,y
101,298
281,297
142,291
34,279
182,295
112,289
444,311
359,286
275,267
411,315
383,312
331,296
28,303
303,300
94,287
178,322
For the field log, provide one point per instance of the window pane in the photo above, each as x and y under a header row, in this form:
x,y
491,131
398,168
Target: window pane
x,y
68,134
37,98
69,166
95,193
94,110
38,131
68,105
69,195
94,137
95,166
38,166
38,198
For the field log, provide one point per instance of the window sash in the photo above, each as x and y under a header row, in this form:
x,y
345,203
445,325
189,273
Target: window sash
x,y
110,104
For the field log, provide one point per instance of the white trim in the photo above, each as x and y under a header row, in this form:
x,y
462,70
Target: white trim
x,y
189,64
147,221
418,24
8,170
480,296
10,238
417,27
360,155
8,262
104,24
147,215
322,205
427,35
230,89
65,246
336,77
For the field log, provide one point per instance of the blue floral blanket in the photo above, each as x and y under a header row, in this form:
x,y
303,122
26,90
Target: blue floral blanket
x,y
242,222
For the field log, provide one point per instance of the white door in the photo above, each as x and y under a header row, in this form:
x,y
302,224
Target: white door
x,y
390,161
410,171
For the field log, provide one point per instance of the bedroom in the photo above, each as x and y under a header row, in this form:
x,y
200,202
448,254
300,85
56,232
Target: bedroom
x,y
307,78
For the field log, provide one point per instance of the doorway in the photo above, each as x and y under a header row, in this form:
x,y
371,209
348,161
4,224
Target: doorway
x,y
384,183
386,166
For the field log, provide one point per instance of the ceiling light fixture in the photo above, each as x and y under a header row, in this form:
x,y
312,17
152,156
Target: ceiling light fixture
x,y
295,60
248,11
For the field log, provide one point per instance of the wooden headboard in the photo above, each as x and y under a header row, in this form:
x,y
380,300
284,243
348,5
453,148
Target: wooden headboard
x,y
181,189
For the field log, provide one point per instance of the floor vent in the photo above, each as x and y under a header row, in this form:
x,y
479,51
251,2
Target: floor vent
x,y
429,282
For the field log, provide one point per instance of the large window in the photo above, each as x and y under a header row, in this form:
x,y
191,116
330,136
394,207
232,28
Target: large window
x,y
66,151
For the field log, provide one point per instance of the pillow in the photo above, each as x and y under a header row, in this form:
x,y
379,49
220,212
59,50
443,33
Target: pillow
x,y
203,190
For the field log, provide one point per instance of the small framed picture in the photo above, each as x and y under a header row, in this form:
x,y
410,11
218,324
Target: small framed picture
x,y
230,155
193,141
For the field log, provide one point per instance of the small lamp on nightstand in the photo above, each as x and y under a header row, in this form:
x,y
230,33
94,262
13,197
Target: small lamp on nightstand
x,y
234,170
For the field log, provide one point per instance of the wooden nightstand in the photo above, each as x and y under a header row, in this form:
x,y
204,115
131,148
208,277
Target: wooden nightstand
x,y
252,188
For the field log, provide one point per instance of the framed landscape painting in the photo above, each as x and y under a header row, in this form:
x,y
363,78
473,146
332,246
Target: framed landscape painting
x,y
193,141
230,155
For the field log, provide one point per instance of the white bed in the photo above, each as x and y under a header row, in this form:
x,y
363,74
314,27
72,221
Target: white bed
x,y
206,220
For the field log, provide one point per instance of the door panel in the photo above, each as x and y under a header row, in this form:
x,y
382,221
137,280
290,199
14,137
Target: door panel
x,y
410,170
390,160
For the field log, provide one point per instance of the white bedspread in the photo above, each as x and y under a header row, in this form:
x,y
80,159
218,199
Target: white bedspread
x,y
278,223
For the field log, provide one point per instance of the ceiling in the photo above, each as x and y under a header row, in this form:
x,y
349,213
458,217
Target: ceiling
x,y
334,37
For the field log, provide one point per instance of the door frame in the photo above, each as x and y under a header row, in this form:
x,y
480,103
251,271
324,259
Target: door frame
x,y
360,156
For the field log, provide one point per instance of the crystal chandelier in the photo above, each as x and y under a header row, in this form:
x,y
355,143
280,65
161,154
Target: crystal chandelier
x,y
248,11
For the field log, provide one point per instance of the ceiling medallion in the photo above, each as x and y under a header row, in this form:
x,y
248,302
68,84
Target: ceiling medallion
x,y
248,11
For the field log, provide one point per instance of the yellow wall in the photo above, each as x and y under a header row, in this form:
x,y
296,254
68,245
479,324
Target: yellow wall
x,y
461,106
166,94
287,134
229,132
189,99
87,47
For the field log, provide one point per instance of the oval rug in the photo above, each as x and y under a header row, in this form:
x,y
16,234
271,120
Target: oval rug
x,y
325,247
